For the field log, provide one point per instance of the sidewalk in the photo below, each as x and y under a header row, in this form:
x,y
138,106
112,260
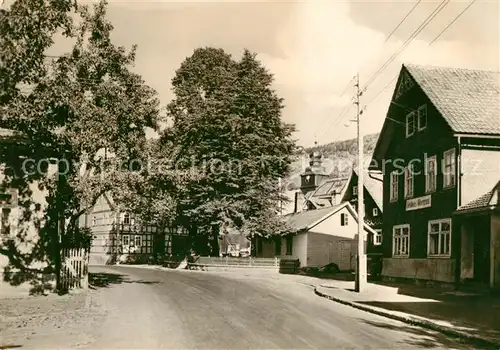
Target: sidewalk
x,y
470,316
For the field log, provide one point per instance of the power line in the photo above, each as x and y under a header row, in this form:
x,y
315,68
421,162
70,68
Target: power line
x,y
328,114
339,118
451,23
402,21
424,24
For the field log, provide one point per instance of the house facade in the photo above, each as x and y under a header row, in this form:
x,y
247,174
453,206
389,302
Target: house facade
x,y
438,149
22,206
325,219
117,234
373,205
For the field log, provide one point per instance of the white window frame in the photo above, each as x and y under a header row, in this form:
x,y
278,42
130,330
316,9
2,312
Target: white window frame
x,y
429,176
441,238
355,190
126,219
126,240
377,237
409,178
394,186
344,221
137,241
419,115
375,212
449,177
400,241
410,117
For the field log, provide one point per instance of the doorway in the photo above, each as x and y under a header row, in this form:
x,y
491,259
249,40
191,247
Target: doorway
x,y
482,250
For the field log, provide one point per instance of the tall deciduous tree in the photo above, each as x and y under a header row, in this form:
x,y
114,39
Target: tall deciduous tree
x,y
71,108
229,132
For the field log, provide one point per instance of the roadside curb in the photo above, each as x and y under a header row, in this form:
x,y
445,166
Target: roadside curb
x,y
414,321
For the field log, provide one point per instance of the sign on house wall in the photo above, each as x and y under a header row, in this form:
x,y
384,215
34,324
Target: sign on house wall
x,y
418,203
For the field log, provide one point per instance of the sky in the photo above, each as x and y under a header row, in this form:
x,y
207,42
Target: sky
x,y
313,48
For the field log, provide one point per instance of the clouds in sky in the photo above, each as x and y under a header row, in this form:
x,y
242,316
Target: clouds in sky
x,y
314,48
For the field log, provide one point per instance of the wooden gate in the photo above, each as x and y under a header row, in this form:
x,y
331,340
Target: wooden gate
x,y
74,269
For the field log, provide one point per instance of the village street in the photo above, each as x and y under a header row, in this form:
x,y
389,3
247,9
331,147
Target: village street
x,y
133,308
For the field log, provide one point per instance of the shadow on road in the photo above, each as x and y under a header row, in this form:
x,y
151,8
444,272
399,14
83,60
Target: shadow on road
x,y
425,339
5,347
104,280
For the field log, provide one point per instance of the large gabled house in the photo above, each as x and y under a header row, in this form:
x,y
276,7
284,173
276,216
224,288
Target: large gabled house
x,y
439,149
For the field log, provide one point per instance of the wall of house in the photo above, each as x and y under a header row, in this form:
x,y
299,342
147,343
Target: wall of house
x,y
480,173
299,248
467,250
323,249
100,220
442,270
435,139
32,204
332,225
495,251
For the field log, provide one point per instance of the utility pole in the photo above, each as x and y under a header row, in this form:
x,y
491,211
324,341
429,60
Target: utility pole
x,y
361,278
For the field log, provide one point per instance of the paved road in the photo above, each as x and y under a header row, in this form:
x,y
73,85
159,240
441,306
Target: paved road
x,y
149,309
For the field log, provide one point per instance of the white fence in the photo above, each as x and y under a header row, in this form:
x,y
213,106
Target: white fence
x,y
74,269
238,262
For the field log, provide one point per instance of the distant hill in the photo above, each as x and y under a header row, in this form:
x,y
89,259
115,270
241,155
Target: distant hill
x,y
338,158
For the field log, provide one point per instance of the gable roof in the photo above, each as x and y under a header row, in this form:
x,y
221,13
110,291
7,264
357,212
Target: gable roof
x,y
487,201
306,220
375,187
467,99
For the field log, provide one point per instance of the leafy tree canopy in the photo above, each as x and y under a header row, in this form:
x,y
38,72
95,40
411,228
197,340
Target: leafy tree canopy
x,y
228,134
71,108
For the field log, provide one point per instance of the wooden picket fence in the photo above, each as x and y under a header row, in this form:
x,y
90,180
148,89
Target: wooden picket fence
x,y
251,262
74,269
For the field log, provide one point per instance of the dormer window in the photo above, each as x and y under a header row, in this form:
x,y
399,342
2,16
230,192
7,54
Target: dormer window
x,y
422,117
410,124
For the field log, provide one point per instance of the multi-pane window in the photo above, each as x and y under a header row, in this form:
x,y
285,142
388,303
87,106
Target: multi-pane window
x,y
377,238
422,117
394,186
344,219
401,240
410,124
125,240
138,241
126,219
355,190
440,237
409,181
449,171
430,174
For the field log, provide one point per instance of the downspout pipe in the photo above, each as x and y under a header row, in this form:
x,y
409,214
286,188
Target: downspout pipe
x,y
458,232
